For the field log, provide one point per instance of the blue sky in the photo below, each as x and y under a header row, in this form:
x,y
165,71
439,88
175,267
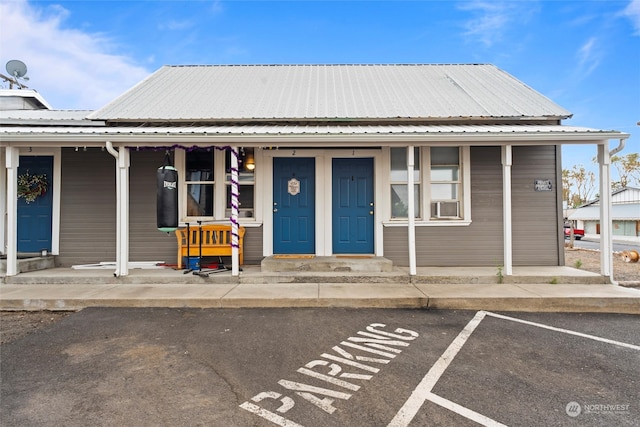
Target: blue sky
x,y
584,55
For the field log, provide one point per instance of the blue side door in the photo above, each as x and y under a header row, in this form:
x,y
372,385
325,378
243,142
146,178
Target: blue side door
x,y
294,205
34,218
353,206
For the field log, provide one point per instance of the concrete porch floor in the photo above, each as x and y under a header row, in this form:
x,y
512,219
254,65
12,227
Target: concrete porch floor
x,y
255,274
558,289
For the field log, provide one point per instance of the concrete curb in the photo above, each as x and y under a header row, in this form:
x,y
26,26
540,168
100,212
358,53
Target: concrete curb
x,y
492,297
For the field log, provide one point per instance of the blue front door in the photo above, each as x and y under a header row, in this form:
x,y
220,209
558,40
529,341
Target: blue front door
x,y
294,205
34,217
353,206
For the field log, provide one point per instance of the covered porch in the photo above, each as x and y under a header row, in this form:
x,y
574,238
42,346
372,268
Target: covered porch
x,y
311,270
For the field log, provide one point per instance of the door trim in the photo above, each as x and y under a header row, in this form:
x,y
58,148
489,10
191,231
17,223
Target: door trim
x,y
338,173
56,153
323,202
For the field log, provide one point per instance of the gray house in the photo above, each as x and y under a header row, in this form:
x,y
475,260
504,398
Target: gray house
x,y
425,165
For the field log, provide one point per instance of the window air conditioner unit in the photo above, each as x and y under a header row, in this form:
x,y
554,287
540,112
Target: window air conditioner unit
x,y
445,209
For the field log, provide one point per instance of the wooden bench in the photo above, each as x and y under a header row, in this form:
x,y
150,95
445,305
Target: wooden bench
x,y
216,241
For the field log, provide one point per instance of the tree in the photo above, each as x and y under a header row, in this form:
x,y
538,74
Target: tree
x,y
628,168
578,185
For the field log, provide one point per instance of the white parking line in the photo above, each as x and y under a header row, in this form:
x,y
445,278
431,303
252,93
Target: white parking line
x,y
465,412
423,391
566,331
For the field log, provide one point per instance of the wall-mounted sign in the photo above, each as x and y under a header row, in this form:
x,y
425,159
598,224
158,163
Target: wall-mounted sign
x,y
542,185
293,186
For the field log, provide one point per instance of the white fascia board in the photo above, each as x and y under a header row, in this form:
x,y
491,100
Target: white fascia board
x,y
69,139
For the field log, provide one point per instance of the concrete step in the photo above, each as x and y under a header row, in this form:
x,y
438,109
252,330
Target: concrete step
x,y
335,264
26,265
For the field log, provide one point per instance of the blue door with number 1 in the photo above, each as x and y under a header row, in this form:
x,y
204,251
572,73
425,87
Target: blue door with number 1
x,y
353,206
34,217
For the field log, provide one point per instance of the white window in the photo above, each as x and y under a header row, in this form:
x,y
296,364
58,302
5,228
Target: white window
x,y
200,179
445,184
441,189
246,183
207,179
399,185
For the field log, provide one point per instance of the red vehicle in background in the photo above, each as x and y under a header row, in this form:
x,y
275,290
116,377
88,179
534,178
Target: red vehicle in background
x,y
578,234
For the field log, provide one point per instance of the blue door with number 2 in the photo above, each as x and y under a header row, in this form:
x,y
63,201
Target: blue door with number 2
x,y
294,208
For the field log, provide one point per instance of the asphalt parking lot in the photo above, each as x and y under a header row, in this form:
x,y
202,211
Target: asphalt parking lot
x,y
324,367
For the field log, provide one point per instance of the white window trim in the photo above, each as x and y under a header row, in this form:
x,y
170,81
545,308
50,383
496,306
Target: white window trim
x,y
219,190
425,199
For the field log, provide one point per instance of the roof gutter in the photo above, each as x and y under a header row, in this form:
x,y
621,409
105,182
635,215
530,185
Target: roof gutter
x,y
619,147
111,150
122,206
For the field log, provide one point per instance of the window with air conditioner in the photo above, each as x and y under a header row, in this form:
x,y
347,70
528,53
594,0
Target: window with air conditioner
x,y
439,189
444,182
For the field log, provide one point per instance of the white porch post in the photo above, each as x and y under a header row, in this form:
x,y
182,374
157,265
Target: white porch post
x,y
3,203
123,172
606,240
12,162
122,208
507,161
411,220
235,262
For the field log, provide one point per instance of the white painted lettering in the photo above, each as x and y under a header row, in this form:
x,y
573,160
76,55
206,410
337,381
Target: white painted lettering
x,y
412,335
350,362
308,392
374,341
347,355
329,379
336,369
371,350
267,415
377,341
287,402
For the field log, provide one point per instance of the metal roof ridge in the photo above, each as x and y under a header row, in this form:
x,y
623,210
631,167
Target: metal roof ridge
x,y
347,64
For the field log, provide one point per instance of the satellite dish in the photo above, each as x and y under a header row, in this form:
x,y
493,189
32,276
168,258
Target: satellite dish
x,y
16,69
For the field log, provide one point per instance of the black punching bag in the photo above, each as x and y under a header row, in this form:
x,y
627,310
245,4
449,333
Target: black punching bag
x,y
167,199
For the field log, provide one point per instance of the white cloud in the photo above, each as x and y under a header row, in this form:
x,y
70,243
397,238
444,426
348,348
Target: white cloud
x,y
493,18
632,11
176,25
589,56
70,68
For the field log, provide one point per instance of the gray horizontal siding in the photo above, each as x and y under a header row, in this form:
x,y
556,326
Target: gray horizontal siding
x,y
253,245
87,207
481,243
88,211
146,243
535,213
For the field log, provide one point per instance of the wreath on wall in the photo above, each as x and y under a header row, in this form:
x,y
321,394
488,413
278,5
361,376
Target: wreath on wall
x,y
30,187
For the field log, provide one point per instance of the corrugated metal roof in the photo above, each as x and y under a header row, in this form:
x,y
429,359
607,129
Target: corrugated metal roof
x,y
329,92
621,212
47,118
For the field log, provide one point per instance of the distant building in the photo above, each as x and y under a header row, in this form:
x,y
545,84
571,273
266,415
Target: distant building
x,y
625,214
